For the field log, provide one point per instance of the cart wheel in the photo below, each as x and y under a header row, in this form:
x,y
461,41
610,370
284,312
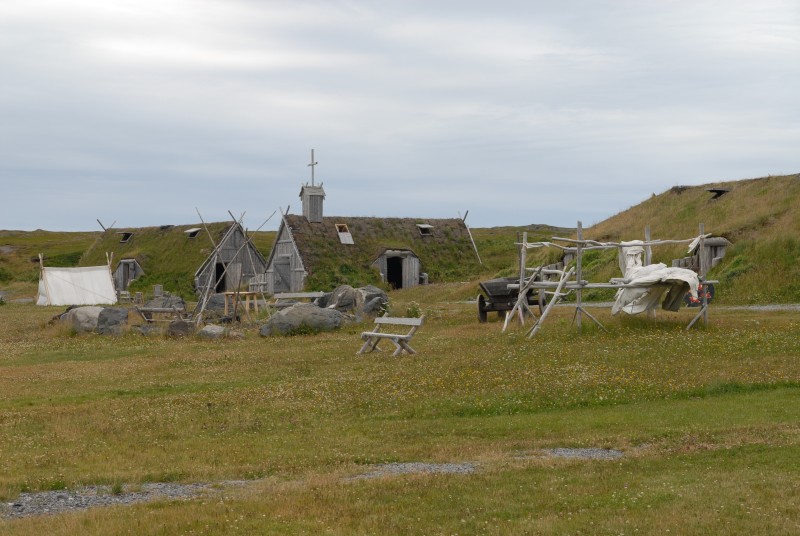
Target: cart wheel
x,y
481,308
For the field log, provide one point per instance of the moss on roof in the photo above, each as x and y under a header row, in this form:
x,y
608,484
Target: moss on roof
x,y
446,254
164,248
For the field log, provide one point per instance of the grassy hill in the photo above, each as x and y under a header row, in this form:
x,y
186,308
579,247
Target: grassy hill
x,y
760,216
19,250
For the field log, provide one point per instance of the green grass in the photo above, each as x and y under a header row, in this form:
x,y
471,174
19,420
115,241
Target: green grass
x,y
708,420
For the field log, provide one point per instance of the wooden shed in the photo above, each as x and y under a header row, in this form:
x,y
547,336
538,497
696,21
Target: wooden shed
x,y
401,252
235,263
713,252
127,271
400,268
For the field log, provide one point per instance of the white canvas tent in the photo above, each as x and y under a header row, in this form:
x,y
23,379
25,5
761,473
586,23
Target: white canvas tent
x,y
90,285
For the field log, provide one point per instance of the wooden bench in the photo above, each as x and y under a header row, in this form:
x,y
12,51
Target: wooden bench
x,y
372,338
281,296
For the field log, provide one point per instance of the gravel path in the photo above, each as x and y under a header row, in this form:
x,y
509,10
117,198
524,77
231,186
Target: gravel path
x,y
585,454
55,502
392,469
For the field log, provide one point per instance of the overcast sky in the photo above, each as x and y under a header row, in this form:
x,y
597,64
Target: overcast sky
x,y
521,112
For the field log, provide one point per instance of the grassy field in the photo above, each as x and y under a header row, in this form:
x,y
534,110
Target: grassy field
x,y
708,421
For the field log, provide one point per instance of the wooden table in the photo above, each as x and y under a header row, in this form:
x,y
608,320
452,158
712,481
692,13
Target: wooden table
x,y
245,297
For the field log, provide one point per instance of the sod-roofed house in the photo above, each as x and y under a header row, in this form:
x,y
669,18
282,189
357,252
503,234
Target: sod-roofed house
x,y
317,252
182,258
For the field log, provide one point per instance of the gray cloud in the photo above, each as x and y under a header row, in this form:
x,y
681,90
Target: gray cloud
x,y
522,112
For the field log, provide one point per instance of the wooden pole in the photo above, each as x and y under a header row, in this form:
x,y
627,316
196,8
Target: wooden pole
x,y
648,259
579,275
464,220
523,260
556,298
703,270
703,294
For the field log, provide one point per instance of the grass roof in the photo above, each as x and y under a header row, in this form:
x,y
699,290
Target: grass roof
x,y
167,253
445,254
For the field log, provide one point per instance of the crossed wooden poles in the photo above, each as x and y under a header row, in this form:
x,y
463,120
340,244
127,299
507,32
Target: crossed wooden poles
x,y
564,286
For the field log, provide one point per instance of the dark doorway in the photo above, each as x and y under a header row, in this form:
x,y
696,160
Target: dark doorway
x,y
394,271
219,277
282,274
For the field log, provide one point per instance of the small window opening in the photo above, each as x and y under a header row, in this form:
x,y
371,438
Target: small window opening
x,y
191,233
124,237
425,229
344,234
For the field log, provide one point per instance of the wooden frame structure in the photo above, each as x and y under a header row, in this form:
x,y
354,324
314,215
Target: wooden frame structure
x,y
529,278
197,314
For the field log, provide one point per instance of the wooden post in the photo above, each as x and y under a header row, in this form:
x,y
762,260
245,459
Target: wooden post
x,y
703,270
579,275
523,261
464,220
556,298
648,259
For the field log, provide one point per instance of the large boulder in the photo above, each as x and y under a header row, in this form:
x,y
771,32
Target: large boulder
x,y
372,300
211,332
367,300
112,321
343,298
216,302
180,328
304,317
82,319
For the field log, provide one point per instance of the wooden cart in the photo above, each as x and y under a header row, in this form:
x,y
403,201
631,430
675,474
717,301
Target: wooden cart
x,y
496,296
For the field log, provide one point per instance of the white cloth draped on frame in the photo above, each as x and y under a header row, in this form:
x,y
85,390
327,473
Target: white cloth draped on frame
x,y
661,281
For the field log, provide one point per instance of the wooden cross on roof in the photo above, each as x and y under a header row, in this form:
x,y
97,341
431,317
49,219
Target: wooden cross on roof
x,y
311,165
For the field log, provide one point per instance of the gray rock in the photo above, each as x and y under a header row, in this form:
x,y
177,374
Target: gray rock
x,y
344,298
324,300
82,319
180,328
216,302
367,300
374,307
304,316
370,293
167,301
112,321
212,332
150,330
237,335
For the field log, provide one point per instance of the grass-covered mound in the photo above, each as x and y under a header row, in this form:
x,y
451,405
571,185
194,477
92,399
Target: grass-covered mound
x,y
760,216
446,253
168,255
19,251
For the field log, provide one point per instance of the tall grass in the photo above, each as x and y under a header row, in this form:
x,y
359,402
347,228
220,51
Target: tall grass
x,y
302,412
